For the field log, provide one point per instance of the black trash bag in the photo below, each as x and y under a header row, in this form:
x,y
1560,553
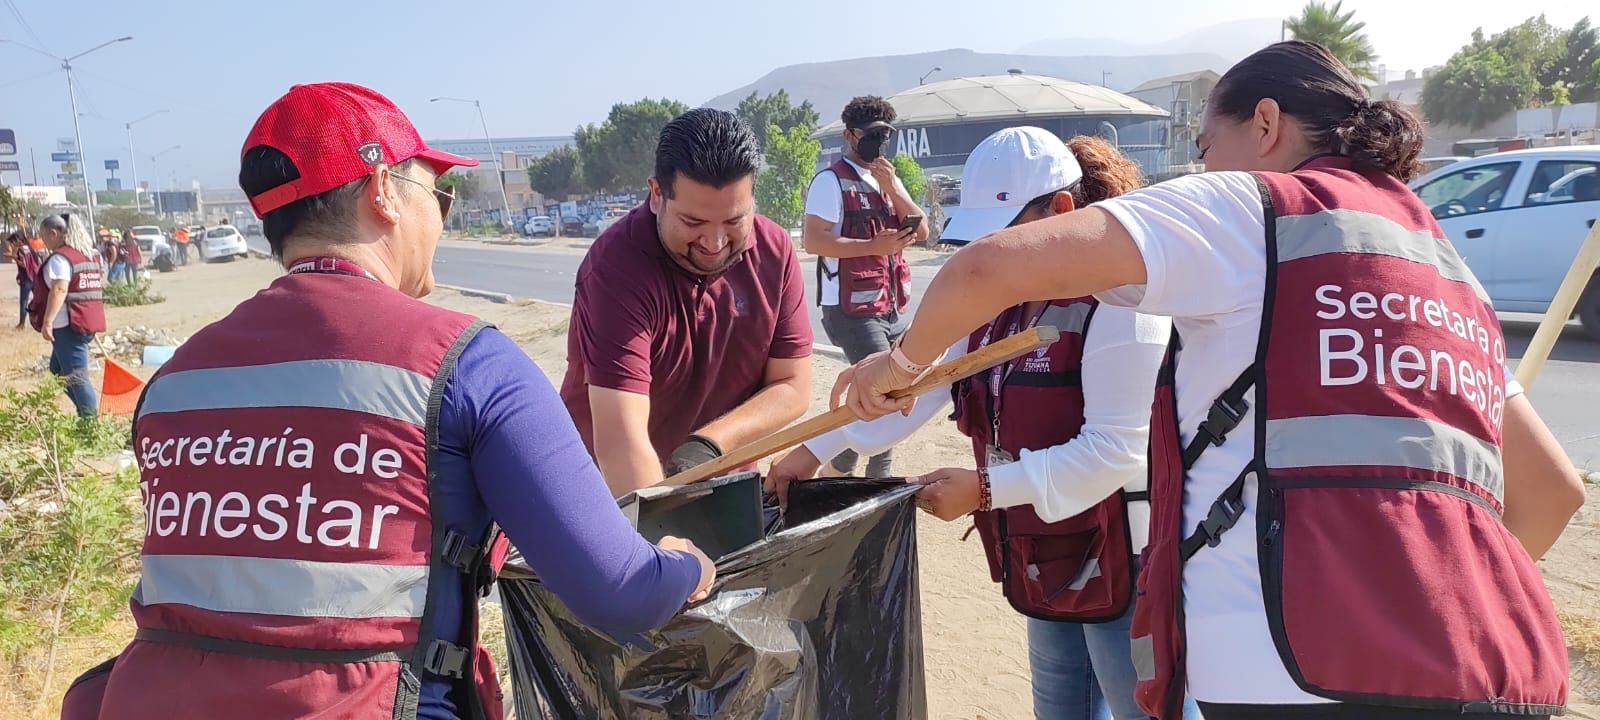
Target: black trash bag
x,y
820,619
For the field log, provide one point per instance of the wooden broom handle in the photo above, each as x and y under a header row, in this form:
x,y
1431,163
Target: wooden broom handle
x,y
939,376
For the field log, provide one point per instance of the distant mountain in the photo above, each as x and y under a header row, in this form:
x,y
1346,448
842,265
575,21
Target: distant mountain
x,y
1231,41
829,85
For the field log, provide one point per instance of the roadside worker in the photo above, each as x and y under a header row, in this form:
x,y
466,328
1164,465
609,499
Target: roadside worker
x,y
111,257
27,264
853,225
1349,540
66,307
689,333
1063,442
180,238
342,455
133,258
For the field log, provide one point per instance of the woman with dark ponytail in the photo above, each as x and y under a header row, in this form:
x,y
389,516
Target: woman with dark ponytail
x,y
1348,500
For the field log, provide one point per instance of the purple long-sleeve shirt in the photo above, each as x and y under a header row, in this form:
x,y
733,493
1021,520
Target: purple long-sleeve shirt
x,y
508,449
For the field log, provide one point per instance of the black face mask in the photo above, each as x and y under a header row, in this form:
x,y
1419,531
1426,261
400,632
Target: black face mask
x,y
870,146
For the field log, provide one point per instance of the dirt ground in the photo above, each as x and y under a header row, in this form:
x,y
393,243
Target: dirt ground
x,y
974,646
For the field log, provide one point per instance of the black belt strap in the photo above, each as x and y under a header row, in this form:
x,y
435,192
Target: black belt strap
x,y
1226,412
264,652
1222,516
1138,496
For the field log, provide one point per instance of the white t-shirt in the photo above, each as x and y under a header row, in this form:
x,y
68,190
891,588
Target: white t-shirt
x,y
825,200
57,269
1122,353
1203,238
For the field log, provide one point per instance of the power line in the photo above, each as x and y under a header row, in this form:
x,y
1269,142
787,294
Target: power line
x,y
30,78
23,21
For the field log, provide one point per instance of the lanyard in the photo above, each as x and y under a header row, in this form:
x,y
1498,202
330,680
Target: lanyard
x,y
1002,372
329,266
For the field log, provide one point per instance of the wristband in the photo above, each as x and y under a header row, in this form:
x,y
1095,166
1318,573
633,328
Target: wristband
x,y
985,499
898,357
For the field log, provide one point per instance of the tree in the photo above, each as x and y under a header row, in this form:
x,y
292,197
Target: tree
x,y
1335,29
1580,65
1537,45
911,175
791,158
123,218
619,154
464,188
558,174
775,110
1477,86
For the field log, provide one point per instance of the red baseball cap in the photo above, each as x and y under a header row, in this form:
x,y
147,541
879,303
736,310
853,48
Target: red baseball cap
x,y
335,133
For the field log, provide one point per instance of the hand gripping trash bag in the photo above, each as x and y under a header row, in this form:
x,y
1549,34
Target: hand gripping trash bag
x,y
819,619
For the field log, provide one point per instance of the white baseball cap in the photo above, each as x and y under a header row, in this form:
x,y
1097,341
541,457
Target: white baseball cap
x,y
1005,171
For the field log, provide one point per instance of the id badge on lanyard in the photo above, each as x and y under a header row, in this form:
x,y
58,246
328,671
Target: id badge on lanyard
x,y
997,382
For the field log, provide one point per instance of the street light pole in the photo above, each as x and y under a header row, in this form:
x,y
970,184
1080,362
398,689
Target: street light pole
x,y
77,132
499,171
133,157
925,75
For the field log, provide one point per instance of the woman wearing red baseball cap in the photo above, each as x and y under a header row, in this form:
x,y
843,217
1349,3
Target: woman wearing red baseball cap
x,y
1346,512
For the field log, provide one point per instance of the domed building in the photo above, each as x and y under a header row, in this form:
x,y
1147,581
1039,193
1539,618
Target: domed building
x,y
940,123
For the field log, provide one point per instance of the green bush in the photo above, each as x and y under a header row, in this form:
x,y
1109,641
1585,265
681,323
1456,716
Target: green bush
x,y
130,294
69,524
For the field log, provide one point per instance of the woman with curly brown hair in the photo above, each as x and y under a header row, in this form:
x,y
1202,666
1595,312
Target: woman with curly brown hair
x,y
1061,435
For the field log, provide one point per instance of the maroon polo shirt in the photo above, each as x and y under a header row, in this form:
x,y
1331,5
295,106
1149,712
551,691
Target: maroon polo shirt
x,y
697,345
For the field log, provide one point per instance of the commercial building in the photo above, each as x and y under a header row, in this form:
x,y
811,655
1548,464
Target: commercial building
x,y
516,153
1184,98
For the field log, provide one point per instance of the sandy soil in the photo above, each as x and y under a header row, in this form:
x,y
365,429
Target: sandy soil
x,y
974,646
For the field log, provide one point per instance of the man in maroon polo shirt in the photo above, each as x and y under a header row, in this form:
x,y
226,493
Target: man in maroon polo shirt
x,y
689,331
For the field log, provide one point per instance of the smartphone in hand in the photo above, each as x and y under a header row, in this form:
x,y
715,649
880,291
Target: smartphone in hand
x,y
909,224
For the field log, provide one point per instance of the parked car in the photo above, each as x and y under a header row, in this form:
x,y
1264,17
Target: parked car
x,y
253,229
1518,219
572,225
223,243
148,236
607,220
539,226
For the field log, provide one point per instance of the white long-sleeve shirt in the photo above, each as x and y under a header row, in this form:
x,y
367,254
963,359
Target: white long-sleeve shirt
x,y
1122,353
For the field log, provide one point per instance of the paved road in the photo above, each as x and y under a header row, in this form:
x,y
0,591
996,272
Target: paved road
x,y
1567,393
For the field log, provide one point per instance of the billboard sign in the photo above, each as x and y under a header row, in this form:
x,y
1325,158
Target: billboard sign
x,y
113,164
8,142
63,157
10,166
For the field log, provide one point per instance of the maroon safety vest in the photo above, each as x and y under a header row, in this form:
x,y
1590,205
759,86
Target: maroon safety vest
x,y
1388,577
1078,569
86,310
292,557
869,286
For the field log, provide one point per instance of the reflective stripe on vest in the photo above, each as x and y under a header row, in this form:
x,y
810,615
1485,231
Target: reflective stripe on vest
x,y
1355,231
353,385
1331,441
291,588
1068,319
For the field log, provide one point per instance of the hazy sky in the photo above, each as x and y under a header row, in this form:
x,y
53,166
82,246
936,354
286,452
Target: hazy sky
x,y
544,67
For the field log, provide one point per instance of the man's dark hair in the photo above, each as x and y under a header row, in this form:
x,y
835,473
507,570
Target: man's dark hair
x,y
329,216
710,147
865,110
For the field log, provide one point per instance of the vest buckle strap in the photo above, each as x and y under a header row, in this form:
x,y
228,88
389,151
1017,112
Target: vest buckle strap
x,y
1223,417
446,659
1224,514
460,553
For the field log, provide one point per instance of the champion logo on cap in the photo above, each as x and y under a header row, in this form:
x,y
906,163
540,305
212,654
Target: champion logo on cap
x,y
1002,196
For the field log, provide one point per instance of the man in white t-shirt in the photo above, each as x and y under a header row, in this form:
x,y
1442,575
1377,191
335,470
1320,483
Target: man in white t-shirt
x,y
854,227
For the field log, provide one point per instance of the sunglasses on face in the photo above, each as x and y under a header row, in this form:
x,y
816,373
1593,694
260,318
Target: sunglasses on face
x,y
446,197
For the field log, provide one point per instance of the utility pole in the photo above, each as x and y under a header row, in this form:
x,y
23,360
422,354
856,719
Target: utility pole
x,y
499,171
133,157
